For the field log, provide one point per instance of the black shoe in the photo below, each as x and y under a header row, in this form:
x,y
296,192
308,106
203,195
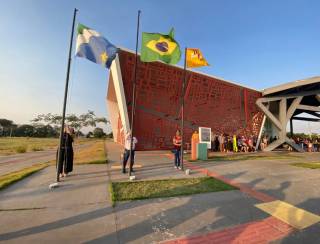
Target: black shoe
x,y
133,170
124,171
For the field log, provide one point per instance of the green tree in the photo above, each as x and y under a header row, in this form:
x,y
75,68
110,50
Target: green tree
x,y
77,122
8,127
89,135
98,133
25,130
41,130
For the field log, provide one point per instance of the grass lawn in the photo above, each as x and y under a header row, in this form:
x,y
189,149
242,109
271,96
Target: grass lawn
x,y
10,178
13,145
134,190
93,154
310,165
242,157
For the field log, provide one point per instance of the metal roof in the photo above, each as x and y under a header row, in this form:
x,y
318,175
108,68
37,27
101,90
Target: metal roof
x,y
290,85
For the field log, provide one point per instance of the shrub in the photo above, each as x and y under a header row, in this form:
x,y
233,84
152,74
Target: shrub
x,y
98,133
36,148
21,149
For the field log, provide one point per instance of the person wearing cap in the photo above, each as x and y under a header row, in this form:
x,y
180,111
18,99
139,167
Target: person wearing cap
x,y
126,153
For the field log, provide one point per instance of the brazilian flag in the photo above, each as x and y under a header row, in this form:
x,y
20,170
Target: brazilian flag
x,y
157,46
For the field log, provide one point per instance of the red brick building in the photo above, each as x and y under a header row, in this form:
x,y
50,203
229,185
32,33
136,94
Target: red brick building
x,y
211,102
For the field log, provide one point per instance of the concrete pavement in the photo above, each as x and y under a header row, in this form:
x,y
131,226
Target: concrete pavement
x,y
76,212
277,179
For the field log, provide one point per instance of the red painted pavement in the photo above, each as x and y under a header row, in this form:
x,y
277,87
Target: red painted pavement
x,y
263,231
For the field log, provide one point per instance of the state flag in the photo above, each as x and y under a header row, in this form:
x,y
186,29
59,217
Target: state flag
x,y
91,45
195,58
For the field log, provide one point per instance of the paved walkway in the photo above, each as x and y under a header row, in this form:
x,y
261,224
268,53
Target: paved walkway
x,y
80,210
76,212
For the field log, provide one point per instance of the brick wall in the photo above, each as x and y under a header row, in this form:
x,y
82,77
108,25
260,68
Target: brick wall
x,y
209,102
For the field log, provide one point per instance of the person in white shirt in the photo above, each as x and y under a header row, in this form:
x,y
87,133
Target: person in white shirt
x,y
126,153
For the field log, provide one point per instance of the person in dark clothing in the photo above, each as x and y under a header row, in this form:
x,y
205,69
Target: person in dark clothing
x,y
66,160
229,145
216,143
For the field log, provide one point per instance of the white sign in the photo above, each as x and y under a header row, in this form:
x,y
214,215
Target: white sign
x,y
205,136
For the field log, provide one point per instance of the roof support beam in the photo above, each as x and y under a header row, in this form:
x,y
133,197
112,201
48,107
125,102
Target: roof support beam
x,y
306,119
284,116
293,107
268,113
309,108
272,99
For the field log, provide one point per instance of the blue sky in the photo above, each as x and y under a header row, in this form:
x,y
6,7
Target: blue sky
x,y
253,42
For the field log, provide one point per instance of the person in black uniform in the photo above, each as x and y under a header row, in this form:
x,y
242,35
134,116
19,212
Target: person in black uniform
x,y
66,159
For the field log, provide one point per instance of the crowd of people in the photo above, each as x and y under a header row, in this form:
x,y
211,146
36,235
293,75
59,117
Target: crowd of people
x,y
221,143
308,144
227,143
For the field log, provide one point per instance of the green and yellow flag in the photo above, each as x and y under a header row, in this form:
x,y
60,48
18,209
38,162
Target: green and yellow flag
x,y
195,58
157,46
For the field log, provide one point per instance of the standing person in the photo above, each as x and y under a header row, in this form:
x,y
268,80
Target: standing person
x,y
216,143
126,153
66,159
177,140
212,141
229,146
239,143
221,142
234,143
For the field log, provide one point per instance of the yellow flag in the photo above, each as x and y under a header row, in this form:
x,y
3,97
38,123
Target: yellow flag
x,y
195,58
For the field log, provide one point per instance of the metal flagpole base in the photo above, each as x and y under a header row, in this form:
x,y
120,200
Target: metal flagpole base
x,y
132,177
54,185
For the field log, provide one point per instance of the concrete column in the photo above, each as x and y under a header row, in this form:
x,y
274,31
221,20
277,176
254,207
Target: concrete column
x,y
282,118
291,128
